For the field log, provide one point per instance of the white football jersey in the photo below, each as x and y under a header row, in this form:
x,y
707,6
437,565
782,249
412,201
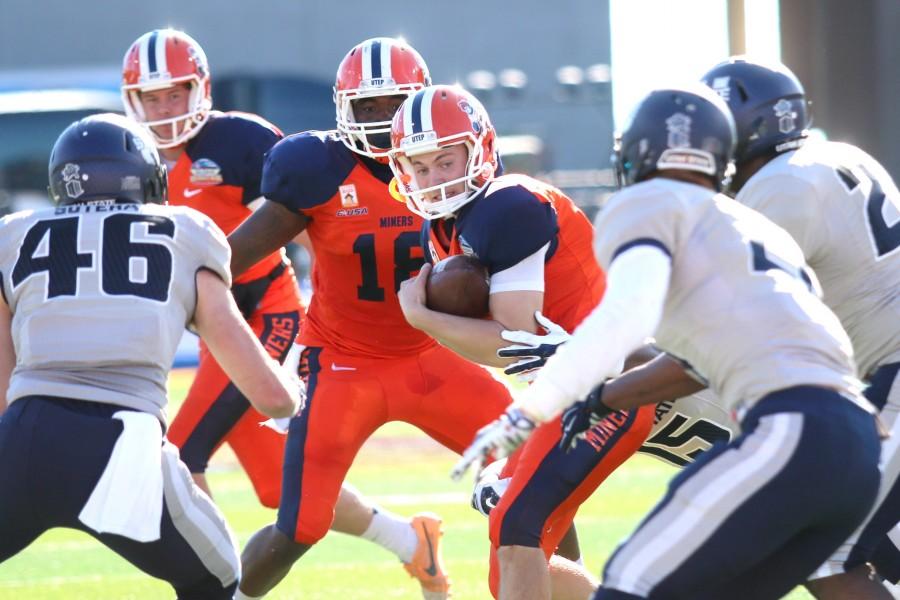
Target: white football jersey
x,y
100,296
843,209
741,306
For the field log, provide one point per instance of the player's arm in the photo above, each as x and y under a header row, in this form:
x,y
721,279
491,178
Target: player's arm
x,y
268,387
637,283
269,228
478,339
7,350
662,379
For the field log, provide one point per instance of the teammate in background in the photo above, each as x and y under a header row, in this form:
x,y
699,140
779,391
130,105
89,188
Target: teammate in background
x,y
537,247
366,366
729,292
95,296
215,164
843,209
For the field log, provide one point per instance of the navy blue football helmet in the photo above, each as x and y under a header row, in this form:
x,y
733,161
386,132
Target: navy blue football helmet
x,y
106,157
768,104
688,129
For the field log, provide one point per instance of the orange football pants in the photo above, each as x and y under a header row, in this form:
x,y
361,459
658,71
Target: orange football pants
x,y
349,397
215,411
547,485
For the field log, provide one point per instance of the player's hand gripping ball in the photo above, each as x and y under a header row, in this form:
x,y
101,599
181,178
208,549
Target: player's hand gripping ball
x,y
458,285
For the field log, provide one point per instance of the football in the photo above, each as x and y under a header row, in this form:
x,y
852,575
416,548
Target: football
x,y
458,285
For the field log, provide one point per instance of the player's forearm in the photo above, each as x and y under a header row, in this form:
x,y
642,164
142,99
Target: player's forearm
x,y
629,313
660,380
267,386
266,230
474,339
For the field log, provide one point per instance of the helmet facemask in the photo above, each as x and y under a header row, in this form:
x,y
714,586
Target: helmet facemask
x,y
367,138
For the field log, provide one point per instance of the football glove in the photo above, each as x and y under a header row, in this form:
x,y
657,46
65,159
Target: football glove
x,y
489,488
581,416
495,440
534,350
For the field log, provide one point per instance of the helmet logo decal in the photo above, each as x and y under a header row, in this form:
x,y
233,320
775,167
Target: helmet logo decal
x,y
787,117
473,117
71,174
679,126
721,86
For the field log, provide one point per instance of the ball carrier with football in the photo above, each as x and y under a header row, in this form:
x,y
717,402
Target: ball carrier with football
x,y
535,246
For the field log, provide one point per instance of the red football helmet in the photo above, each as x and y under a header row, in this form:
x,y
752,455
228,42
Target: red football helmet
x,y
159,59
376,67
435,118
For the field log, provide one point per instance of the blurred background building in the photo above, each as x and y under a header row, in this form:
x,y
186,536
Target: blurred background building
x,y
554,76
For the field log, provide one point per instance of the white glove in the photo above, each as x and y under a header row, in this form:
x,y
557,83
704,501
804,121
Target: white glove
x,y
533,349
489,488
496,440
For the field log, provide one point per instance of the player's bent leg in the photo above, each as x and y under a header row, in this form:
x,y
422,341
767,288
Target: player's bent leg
x,y
570,580
753,518
267,559
847,571
196,552
18,525
548,485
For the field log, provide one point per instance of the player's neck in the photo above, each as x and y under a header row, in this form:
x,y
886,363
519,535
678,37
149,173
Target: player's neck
x,y
171,155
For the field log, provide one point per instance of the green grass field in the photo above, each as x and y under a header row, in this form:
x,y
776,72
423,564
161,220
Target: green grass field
x,y
399,468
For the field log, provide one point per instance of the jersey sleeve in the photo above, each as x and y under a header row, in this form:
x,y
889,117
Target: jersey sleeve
x,y
204,241
509,225
300,172
260,137
789,202
636,216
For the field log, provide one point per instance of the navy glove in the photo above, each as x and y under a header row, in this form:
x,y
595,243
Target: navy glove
x,y
581,416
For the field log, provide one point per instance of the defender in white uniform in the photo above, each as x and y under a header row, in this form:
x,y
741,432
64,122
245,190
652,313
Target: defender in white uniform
x,y
96,294
843,209
728,291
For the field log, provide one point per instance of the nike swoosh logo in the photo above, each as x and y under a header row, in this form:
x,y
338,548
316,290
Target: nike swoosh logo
x,y
188,193
334,367
432,569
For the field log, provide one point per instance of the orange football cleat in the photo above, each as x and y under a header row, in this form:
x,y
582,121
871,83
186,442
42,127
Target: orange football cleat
x,y
427,564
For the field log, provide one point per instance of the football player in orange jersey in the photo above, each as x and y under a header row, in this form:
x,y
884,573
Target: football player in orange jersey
x,y
537,247
215,165
364,364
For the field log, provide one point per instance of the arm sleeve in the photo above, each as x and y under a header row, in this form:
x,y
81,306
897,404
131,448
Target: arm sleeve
x,y
637,283
526,275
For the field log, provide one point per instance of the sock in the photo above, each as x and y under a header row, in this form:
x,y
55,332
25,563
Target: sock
x,y
392,532
239,595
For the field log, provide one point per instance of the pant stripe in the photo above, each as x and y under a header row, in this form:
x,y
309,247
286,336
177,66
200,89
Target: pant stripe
x,y
199,521
702,503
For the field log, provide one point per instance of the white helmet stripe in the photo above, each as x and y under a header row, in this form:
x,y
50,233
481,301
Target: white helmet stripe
x,y
367,62
386,47
408,110
162,66
143,53
427,97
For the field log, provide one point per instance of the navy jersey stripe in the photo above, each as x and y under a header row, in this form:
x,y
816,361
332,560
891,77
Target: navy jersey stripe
x,y
151,52
417,113
376,60
641,242
291,487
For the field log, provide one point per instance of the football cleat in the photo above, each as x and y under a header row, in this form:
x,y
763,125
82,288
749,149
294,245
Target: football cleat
x,y
427,563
